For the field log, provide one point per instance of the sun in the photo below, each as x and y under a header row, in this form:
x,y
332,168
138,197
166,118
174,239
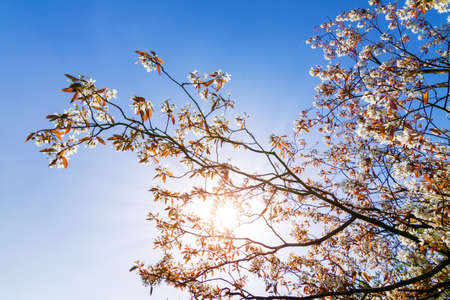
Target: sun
x,y
226,217
222,214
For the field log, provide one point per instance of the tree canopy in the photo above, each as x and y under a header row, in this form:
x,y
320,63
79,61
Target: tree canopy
x,y
362,213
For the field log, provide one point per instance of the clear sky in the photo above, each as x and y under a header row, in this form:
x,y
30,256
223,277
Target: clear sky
x,y
73,234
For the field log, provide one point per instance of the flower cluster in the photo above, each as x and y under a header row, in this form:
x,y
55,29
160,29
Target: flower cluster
x,y
150,61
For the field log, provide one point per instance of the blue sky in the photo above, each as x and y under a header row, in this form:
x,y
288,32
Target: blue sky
x,y
73,234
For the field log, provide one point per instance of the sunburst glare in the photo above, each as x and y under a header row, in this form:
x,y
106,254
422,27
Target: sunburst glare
x,y
225,217
222,214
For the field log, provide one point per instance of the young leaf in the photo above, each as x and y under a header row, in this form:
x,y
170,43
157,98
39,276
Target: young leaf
x,y
71,77
29,137
101,141
149,112
133,268
64,160
68,90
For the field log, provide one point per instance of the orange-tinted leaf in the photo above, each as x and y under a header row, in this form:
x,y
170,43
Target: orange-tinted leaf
x,y
143,116
75,96
68,90
97,107
138,98
114,137
436,131
143,160
425,97
75,86
100,100
366,276
133,268
149,112
214,105
64,161
58,134
84,139
71,77
29,137
67,129
159,69
427,178
219,85
173,119
101,140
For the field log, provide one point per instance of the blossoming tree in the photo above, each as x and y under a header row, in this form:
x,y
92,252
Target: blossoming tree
x,y
362,215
